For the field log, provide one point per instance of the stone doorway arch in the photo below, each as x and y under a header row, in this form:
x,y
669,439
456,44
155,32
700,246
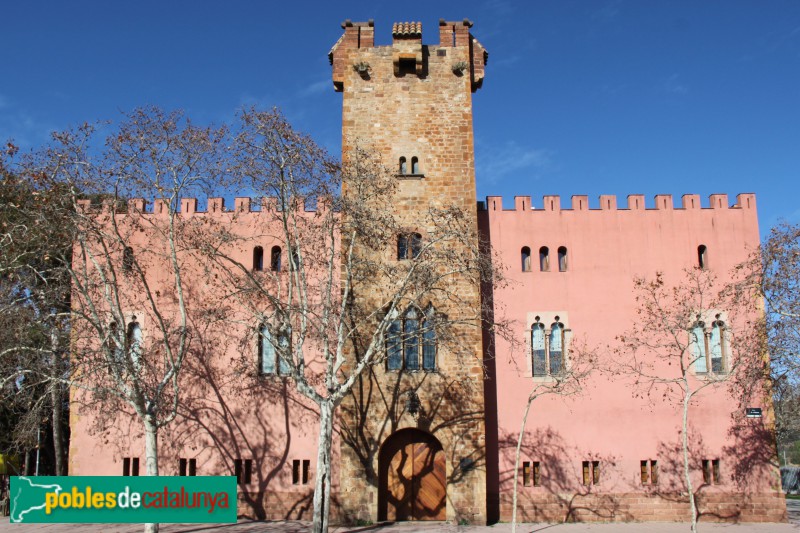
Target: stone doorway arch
x,y
412,477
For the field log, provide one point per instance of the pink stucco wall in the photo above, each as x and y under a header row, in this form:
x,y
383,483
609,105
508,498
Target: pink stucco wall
x,y
227,411
607,248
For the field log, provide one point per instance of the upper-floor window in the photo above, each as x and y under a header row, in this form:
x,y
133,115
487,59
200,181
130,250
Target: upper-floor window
x,y
135,342
548,347
411,341
127,260
409,246
275,259
258,259
403,166
415,165
562,259
526,259
702,257
268,355
544,259
708,348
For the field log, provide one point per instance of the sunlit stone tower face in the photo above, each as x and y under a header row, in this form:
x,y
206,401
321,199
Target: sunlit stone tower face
x,y
414,439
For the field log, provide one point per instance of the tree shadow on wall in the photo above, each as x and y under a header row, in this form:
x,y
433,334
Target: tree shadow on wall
x,y
235,414
428,401
671,485
562,495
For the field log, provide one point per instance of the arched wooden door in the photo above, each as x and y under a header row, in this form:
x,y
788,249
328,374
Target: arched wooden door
x,y
412,477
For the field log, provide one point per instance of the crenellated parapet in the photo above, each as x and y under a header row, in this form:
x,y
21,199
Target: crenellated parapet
x,y
635,202
189,206
407,51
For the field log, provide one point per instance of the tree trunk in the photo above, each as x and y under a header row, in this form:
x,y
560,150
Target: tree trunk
x,y
57,399
150,459
58,437
322,485
516,465
687,474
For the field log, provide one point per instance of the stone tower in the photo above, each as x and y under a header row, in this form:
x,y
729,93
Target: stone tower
x,y
413,103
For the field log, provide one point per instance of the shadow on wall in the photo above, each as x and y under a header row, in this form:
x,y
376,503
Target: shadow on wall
x,y
566,491
247,422
449,415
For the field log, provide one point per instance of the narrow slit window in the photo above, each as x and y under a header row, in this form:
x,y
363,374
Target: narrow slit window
x,y
296,472
654,472
587,473
537,474
402,247
306,470
192,467
248,470
595,472
126,466
562,259
127,260
415,165
544,259
403,166
237,470
258,259
275,259
182,463
135,466
526,259
645,473
715,473
706,471
702,257
526,473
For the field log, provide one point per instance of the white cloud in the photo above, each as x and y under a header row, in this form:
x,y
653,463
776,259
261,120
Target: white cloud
x,y
318,87
673,85
494,162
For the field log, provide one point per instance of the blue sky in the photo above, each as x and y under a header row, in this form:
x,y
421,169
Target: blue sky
x,y
580,97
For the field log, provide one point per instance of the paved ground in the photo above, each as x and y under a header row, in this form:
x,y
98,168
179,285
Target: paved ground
x,y
299,527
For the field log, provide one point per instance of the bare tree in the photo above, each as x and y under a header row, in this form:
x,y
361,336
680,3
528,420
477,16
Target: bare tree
x,y
775,273
127,267
323,332
688,337
568,381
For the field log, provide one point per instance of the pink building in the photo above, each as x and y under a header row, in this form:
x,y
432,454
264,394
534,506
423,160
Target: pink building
x,y
603,454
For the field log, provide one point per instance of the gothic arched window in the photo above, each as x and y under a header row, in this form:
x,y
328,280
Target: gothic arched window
x,y
697,341
411,341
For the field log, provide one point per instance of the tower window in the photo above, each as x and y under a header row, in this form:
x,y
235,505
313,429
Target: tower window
x,y
411,340
267,354
258,259
544,259
403,166
415,165
562,259
702,257
409,246
526,259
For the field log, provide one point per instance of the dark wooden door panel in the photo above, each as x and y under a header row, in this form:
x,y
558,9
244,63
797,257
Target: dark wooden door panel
x,y
416,484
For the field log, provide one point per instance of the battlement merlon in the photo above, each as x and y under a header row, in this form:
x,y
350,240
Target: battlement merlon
x,y
636,202
189,206
407,46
